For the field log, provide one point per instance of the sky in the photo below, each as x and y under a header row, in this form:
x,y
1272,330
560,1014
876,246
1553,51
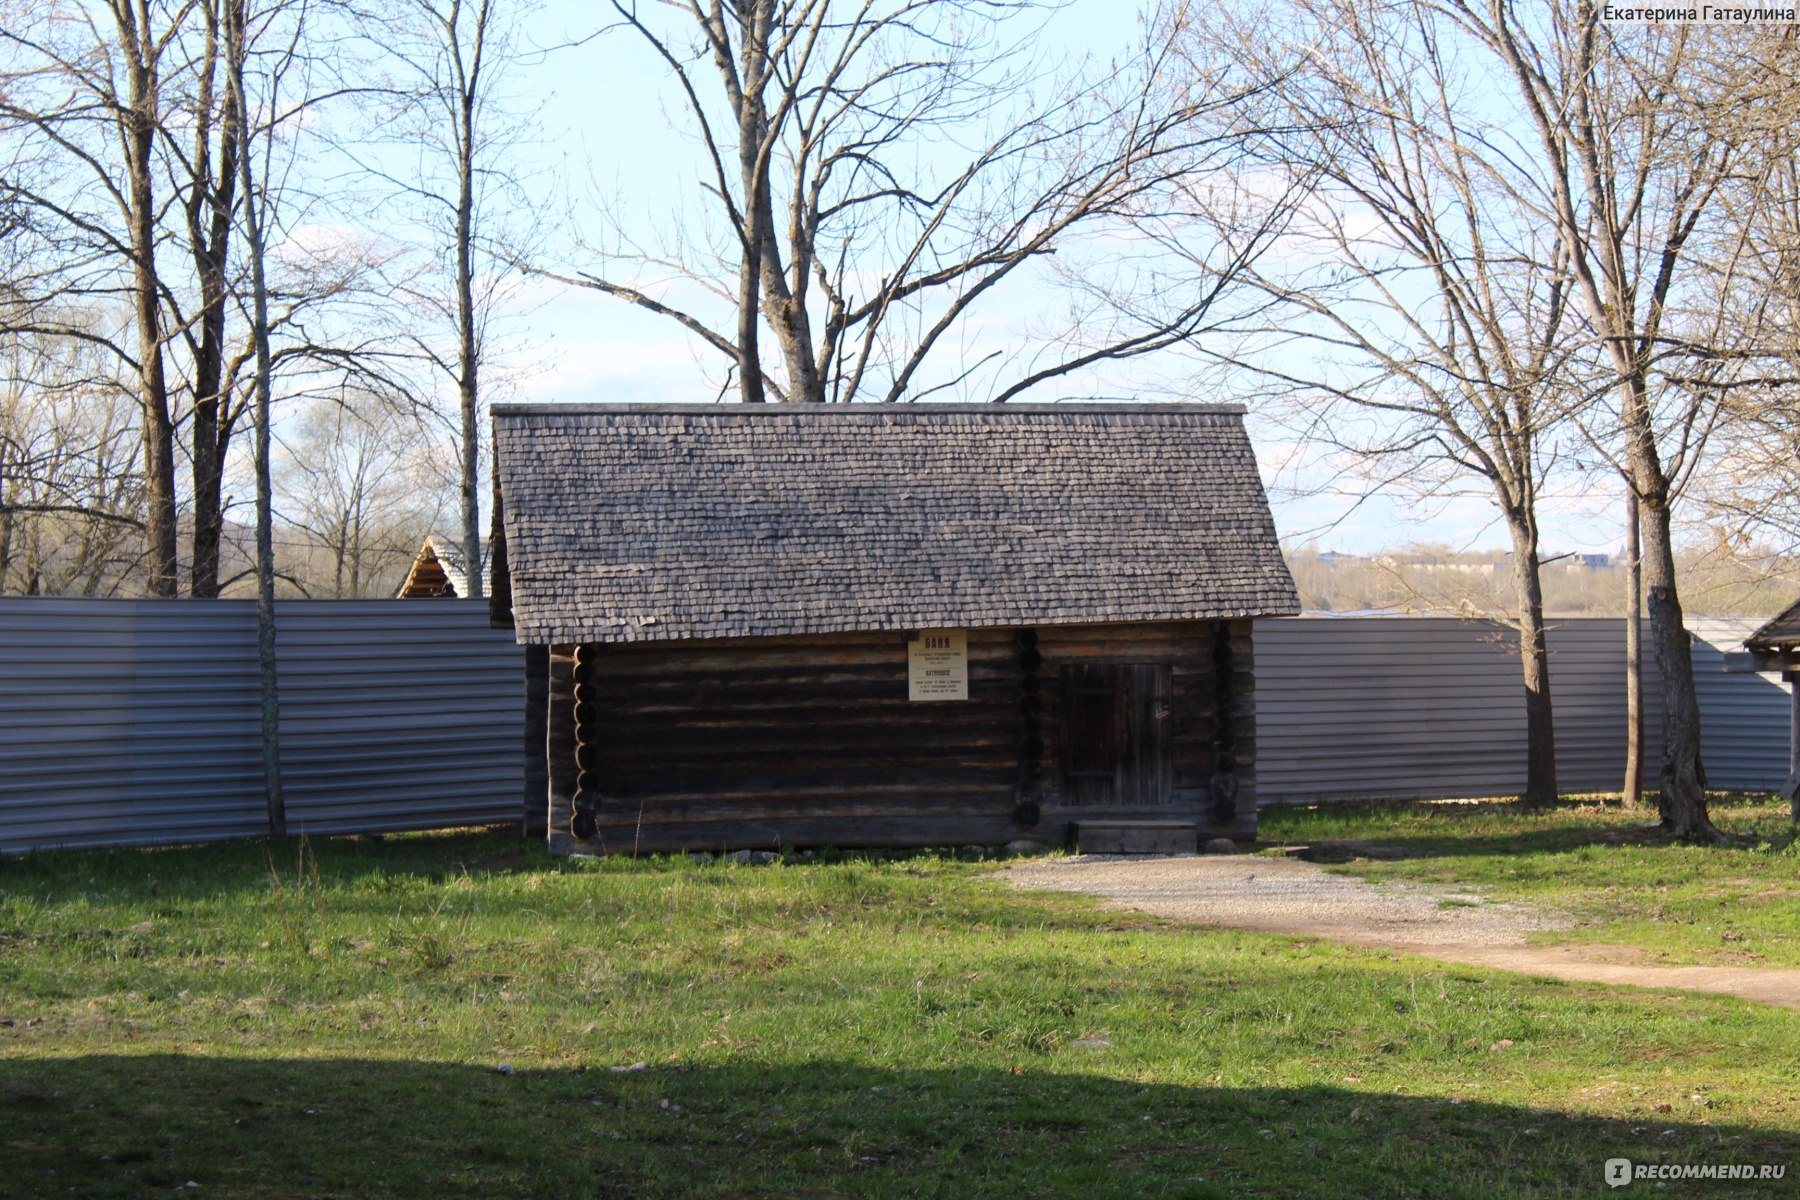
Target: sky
x,y
611,127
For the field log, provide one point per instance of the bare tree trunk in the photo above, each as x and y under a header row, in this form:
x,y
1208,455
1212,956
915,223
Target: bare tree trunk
x,y
467,380
1633,789
1683,797
453,114
209,232
1793,678
11,481
1534,654
468,359
140,126
265,536
265,566
784,309
209,480
753,129
6,531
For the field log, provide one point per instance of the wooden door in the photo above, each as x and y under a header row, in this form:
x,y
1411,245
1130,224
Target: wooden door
x,y
1116,730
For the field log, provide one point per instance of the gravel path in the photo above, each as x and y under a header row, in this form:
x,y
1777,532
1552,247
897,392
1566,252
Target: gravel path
x,y
1281,895
1288,896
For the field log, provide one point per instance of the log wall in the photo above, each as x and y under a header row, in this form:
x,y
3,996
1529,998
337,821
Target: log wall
x,y
811,740
559,738
537,731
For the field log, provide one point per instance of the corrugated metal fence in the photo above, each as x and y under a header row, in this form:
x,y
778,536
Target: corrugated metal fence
x,y
1402,706
134,722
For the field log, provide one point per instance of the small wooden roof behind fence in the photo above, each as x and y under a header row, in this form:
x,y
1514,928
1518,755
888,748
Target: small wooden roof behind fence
x,y
1780,635
438,570
652,523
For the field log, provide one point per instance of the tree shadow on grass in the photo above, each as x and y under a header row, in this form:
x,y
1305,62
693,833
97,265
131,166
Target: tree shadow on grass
x,y
273,1129
186,873
1451,831
190,873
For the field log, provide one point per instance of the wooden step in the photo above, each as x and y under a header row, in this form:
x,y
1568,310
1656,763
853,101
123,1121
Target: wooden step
x,y
1137,837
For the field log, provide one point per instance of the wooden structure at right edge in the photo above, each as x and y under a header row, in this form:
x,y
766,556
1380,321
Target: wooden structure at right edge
x,y
1776,647
776,626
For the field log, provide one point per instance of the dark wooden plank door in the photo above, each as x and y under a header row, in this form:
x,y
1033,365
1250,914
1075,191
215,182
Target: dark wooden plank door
x,y
1116,728
1091,750
1147,775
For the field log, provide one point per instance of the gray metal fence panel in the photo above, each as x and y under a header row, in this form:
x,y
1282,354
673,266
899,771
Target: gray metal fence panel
x,y
1390,707
1587,692
135,722
1422,707
123,723
399,715
1744,719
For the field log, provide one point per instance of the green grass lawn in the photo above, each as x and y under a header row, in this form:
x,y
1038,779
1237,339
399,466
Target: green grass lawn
x,y
458,1015
1623,881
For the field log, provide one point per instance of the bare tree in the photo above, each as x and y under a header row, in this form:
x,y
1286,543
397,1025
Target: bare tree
x,y
120,191
364,481
456,61
1751,489
882,167
330,318
261,114
312,328
71,493
141,43
209,208
1421,324
85,88
1635,170
463,38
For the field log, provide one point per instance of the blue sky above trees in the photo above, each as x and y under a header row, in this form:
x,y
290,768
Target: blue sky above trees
x,y
611,126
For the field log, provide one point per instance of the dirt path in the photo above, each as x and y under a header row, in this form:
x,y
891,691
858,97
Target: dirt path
x,y
1281,895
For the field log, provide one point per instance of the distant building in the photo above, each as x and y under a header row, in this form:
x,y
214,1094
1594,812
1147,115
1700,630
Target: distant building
x,y
439,571
1578,562
1436,564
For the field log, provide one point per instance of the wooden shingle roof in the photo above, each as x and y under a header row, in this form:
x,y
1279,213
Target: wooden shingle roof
x,y
653,523
438,569
1781,633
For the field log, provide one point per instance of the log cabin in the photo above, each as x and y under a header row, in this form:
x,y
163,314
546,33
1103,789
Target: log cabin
x,y
767,626
1776,647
